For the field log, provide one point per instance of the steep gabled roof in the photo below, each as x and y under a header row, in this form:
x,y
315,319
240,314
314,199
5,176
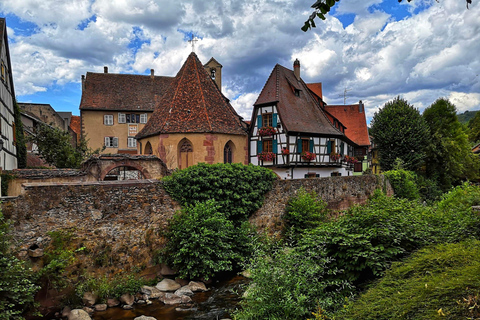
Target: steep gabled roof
x,y
193,104
75,125
298,109
353,117
122,92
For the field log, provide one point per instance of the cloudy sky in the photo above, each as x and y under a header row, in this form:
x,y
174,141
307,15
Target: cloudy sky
x,y
374,50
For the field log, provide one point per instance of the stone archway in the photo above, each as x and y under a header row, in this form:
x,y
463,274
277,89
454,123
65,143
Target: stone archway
x,y
145,174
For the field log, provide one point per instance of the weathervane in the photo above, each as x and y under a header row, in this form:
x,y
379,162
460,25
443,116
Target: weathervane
x,y
192,42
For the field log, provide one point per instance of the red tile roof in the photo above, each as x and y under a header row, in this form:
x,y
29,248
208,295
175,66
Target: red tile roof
x,y
75,125
354,120
122,92
300,113
193,104
316,88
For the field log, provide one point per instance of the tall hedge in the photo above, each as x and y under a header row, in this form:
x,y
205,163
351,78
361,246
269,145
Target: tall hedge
x,y
237,189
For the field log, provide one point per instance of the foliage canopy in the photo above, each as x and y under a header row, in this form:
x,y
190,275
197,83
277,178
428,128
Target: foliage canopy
x,y
400,132
237,189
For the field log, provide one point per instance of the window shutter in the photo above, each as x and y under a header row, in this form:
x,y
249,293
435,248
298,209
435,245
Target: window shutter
x,y
274,146
143,118
128,118
105,119
311,146
137,118
107,140
259,146
299,145
121,118
329,147
274,120
115,142
342,145
259,121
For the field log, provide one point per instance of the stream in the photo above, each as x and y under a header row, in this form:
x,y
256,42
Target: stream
x,y
217,303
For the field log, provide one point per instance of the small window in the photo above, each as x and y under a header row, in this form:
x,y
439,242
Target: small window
x,y
121,118
305,145
212,73
267,120
111,142
297,93
4,71
108,119
131,142
267,145
143,118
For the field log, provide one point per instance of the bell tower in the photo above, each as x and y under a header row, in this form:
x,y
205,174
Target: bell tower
x,y
214,69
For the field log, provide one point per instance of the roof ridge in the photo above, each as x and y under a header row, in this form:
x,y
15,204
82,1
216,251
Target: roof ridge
x,y
203,96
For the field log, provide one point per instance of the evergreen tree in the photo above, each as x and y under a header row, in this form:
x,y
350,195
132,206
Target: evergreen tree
x,y
400,132
474,126
449,156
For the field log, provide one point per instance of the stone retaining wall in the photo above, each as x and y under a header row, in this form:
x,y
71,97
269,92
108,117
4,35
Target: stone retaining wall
x,y
339,192
118,222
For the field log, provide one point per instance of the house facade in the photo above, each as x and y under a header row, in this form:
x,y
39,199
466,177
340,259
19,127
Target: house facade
x,y
8,152
115,107
293,135
194,122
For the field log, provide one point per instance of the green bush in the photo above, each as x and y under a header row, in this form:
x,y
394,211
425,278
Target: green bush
x,y
107,288
441,282
289,283
404,183
17,288
304,211
203,242
238,189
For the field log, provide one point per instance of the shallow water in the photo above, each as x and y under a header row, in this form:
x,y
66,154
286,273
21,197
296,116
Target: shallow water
x,y
217,303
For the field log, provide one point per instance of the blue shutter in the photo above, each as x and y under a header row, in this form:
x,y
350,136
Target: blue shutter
x,y
329,147
311,146
259,121
299,145
274,146
342,146
274,120
259,146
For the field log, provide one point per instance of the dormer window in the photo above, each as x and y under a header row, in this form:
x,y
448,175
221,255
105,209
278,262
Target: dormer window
x,y
297,93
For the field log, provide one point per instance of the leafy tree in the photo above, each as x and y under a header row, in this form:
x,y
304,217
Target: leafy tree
x,y
400,132
20,139
449,157
322,7
55,147
474,126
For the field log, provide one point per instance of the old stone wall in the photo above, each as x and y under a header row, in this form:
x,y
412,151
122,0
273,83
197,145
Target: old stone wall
x,y
339,192
119,222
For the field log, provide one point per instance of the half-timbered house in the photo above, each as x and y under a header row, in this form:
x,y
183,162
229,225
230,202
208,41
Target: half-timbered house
x,y
292,134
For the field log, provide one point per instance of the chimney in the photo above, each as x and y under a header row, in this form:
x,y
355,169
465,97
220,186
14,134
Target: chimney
x,y
152,73
360,106
296,69
105,69
83,82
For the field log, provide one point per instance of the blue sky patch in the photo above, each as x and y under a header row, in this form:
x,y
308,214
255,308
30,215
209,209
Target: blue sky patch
x,y
22,28
84,24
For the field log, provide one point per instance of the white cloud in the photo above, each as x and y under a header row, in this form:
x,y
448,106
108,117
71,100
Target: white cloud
x,y
431,54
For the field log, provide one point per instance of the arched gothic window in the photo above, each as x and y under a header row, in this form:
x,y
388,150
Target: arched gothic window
x,y
228,153
186,154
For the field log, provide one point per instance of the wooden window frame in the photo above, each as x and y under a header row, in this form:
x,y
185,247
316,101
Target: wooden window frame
x,y
108,119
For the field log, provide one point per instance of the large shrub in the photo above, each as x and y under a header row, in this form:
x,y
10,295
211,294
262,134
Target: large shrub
x,y
203,242
404,183
289,283
237,189
17,288
304,211
442,282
